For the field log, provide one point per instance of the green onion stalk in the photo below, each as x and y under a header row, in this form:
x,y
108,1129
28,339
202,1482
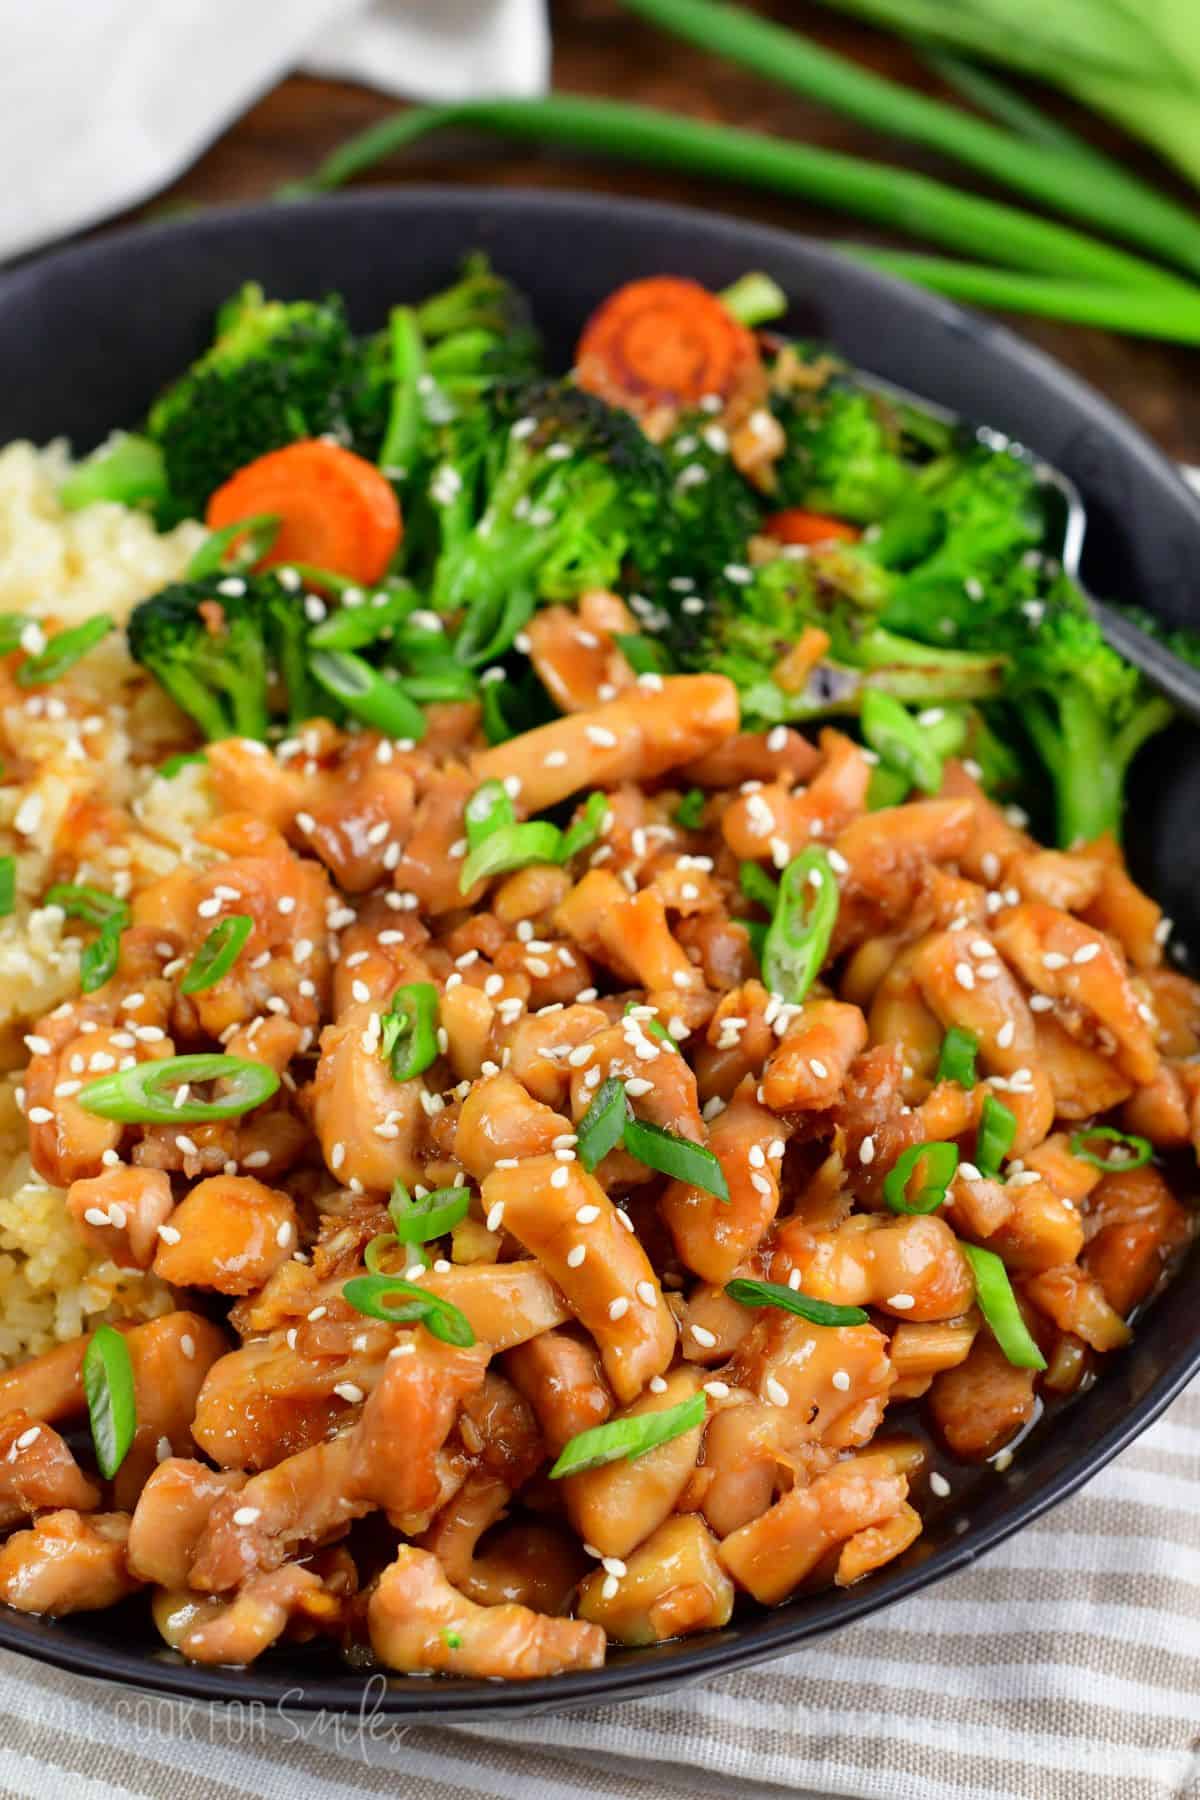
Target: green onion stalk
x,y
897,198
1091,188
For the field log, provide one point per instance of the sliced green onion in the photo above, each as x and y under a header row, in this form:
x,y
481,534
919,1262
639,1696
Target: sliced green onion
x,y
354,627
496,728
624,1440
994,1140
141,1096
108,1388
1140,1148
64,650
510,847
387,1240
443,681
998,1304
937,1164
602,1124
431,1216
11,628
368,1294
367,694
217,954
8,885
585,830
891,730
798,937
488,627
887,787
788,1299
488,809
236,546
91,904
98,960
652,1027
754,299
689,814
956,1062
675,1156
408,1039
757,885
182,759
645,655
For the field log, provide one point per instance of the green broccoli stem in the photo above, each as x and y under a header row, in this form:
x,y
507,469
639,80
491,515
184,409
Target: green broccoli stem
x,y
127,469
1086,762
754,299
899,198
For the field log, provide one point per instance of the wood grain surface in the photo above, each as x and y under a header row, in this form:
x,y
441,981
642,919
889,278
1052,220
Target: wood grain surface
x,y
601,49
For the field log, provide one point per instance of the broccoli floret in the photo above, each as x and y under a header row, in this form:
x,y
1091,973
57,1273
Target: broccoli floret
x,y
279,370
748,628
1087,711
843,452
437,357
552,492
221,648
967,537
710,514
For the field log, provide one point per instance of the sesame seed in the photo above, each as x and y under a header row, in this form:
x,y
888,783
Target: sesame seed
x,y
560,1178
938,1484
1040,1003
775,1391
1053,959
348,1390
1006,1033
609,1587
1086,953
901,1302
964,974
704,1337
718,1390
39,1115
495,1216
818,1068
187,1345
337,1156
586,1215
646,1293
657,1385
247,1515
618,1308
841,1380
866,1151
576,1256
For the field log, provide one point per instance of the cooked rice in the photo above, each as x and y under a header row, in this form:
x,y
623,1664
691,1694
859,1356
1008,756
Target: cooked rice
x,y
90,764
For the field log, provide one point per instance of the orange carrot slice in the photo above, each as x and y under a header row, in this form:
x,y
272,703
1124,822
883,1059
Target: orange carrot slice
x,y
336,510
668,342
795,525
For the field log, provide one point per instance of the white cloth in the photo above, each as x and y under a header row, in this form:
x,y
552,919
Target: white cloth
x,y
102,102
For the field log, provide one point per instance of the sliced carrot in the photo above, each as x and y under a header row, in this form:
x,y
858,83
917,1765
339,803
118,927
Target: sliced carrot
x,y
666,342
795,525
336,510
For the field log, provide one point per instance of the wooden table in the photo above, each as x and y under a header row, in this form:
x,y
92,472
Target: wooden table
x,y
601,49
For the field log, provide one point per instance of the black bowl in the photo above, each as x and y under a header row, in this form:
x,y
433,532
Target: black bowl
x,y
89,335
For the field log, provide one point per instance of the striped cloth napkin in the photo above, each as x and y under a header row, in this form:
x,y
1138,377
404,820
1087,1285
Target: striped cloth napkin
x,y
1065,1665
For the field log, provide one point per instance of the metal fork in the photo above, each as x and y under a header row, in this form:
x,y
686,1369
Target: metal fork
x,y
1168,672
